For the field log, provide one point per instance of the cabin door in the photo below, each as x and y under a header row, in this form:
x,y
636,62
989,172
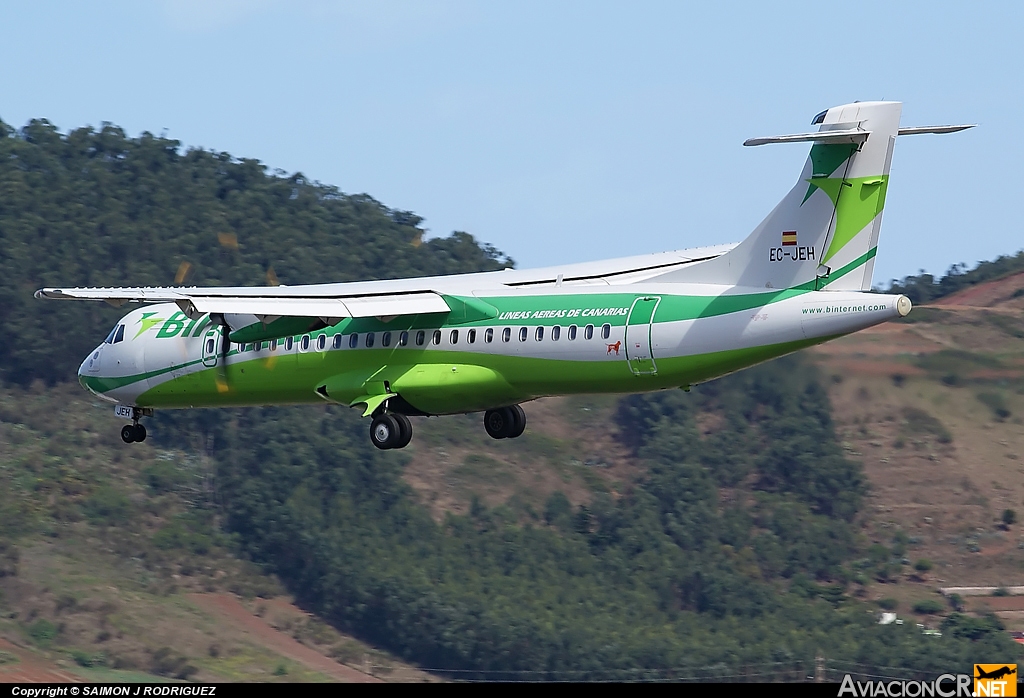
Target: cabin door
x,y
638,335
211,346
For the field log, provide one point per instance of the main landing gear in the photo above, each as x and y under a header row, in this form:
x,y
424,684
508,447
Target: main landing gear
x,y
505,422
390,430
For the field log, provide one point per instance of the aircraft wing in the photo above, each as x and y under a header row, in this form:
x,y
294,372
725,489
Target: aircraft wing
x,y
390,297
263,302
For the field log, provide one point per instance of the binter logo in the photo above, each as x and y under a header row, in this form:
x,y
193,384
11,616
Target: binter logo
x,y
178,325
995,680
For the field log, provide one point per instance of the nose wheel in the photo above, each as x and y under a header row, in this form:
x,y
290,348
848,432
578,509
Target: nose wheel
x,y
133,433
505,422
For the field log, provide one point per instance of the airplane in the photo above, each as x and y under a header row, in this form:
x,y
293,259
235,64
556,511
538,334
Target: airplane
x,y
488,342
995,673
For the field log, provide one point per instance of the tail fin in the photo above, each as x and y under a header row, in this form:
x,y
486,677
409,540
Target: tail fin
x,y
824,233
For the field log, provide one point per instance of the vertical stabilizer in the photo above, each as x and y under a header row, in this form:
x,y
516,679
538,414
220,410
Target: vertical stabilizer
x,y
824,232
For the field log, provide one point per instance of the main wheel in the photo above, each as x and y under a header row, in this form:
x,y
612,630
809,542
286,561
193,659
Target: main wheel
x,y
384,431
404,430
518,421
140,433
128,433
498,423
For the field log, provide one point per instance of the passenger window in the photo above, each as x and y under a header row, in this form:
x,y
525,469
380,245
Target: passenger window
x,y
489,335
436,339
588,332
321,342
523,334
506,334
572,332
273,345
304,343
556,332
385,339
606,331
421,337
120,334
454,337
353,340
288,343
337,341
369,339
209,346
403,339
540,334
471,336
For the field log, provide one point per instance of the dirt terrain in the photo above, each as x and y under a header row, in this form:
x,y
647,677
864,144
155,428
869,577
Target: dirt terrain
x,y
933,407
138,635
21,665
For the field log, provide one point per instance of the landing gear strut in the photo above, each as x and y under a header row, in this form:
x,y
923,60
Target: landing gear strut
x,y
390,430
505,422
135,432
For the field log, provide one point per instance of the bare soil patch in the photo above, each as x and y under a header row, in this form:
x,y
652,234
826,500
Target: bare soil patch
x,y
228,608
31,668
991,293
943,487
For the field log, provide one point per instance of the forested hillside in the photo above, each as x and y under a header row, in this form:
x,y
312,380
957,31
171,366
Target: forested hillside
x,y
733,549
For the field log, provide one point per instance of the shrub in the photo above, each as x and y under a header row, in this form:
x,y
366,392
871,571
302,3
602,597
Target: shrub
x,y
42,632
997,403
928,607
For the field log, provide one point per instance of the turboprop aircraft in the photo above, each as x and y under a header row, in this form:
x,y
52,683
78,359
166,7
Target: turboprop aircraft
x,y
488,342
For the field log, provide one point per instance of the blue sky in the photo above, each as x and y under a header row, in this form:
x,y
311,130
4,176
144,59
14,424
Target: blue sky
x,y
557,131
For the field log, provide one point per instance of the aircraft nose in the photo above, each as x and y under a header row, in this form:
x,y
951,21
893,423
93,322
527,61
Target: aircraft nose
x,y
89,366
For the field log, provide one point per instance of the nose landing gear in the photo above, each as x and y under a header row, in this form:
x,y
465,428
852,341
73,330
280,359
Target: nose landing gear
x,y
134,432
505,422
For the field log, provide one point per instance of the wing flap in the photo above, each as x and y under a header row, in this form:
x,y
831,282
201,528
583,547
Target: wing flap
x,y
401,304
266,307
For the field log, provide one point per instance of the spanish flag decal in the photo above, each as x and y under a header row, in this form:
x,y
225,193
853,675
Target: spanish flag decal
x,y
788,238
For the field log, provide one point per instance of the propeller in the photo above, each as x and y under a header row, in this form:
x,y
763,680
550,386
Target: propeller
x,y
228,241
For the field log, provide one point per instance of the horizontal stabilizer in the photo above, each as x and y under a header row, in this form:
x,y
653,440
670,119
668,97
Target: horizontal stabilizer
x,y
914,130
851,135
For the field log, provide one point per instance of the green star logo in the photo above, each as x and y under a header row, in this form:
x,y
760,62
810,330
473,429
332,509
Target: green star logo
x,y
147,321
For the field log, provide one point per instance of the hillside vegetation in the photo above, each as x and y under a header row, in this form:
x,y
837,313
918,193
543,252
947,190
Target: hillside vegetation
x,y
713,534
923,287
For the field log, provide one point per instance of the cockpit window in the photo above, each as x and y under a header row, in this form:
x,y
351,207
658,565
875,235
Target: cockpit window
x,y
110,337
119,337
